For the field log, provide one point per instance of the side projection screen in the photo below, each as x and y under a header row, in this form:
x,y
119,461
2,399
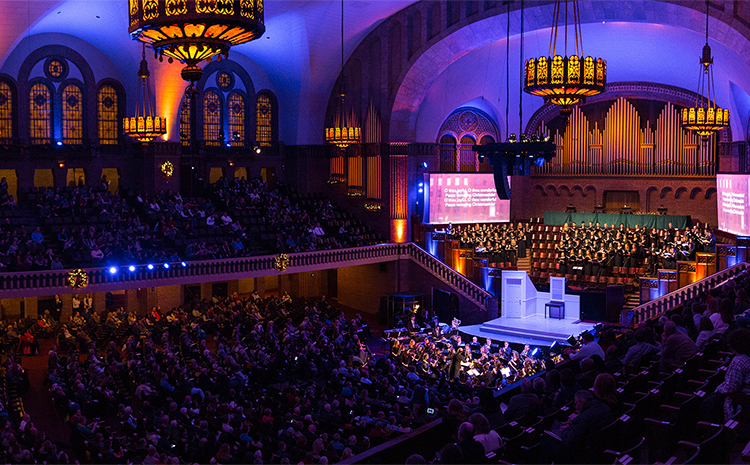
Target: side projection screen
x,y
463,198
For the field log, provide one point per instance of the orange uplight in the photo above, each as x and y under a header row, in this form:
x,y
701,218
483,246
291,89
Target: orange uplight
x,y
169,91
398,230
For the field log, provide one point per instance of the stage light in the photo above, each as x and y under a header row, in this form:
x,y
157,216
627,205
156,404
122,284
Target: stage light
x,y
166,265
131,268
59,143
150,266
555,348
572,340
421,190
421,184
535,352
424,164
539,161
183,264
112,270
228,145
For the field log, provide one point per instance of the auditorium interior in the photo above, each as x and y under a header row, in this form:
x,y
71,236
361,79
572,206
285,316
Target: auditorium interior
x,y
389,231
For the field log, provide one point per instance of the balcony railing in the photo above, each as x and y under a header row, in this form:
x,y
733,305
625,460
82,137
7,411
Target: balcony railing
x,y
42,283
658,307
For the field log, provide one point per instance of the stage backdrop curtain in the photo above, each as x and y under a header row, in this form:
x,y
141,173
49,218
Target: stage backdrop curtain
x,y
629,220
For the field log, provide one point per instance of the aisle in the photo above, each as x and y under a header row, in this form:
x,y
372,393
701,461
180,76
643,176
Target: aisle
x,y
38,402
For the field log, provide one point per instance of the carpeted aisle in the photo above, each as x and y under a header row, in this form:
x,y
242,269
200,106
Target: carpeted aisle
x,y
38,401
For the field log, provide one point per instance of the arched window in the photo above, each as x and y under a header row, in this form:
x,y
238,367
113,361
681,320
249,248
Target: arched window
x,y
185,122
468,156
7,116
107,117
447,154
265,117
72,115
40,114
211,117
236,109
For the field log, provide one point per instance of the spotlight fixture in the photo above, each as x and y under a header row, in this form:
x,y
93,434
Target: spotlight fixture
x,y
257,149
184,265
150,266
166,265
112,270
131,268
59,143
424,164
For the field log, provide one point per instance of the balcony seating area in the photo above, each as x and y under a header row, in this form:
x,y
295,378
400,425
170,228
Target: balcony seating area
x,y
90,227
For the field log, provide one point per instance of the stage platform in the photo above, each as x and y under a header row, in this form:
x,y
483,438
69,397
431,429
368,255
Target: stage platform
x,y
533,330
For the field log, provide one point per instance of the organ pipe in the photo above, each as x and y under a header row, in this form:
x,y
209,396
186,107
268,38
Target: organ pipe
x,y
623,148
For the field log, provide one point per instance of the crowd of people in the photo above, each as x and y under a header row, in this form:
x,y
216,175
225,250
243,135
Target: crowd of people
x,y
91,226
500,243
236,381
281,380
439,355
592,250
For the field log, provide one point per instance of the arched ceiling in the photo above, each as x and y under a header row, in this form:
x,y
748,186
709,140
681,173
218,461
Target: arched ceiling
x,y
643,40
634,52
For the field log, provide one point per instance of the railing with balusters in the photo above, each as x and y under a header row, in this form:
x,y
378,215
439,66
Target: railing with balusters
x,y
39,283
658,307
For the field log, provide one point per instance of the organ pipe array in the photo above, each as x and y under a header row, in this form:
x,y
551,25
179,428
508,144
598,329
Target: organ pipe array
x,y
626,147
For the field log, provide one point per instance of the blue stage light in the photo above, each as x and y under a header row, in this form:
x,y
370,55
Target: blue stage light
x,y
424,164
183,264
421,190
59,143
150,266
421,184
535,352
166,265
112,270
131,268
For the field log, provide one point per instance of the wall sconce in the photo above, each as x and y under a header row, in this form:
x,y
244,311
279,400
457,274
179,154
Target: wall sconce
x,y
61,165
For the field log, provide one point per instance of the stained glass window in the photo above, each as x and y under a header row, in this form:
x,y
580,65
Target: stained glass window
x,y
236,107
264,120
40,114
72,115
185,122
108,120
225,80
6,112
55,69
211,117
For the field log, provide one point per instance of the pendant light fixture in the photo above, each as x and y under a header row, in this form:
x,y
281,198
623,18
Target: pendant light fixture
x,y
705,118
345,130
565,80
145,125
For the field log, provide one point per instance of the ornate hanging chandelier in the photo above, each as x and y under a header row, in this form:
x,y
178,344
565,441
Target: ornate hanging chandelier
x,y
565,80
191,31
345,130
705,117
145,125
